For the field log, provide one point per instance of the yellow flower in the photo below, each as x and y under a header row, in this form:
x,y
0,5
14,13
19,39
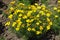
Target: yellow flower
x,y
43,6
7,23
29,29
55,8
14,23
19,24
29,13
17,21
29,7
12,2
48,19
40,21
58,1
58,10
36,4
28,20
41,27
48,27
46,10
20,15
50,23
20,11
39,7
37,23
38,15
11,8
38,32
56,16
21,4
48,14
33,8
33,29
42,12
10,16
25,16
15,12
43,9
28,24
32,20
17,29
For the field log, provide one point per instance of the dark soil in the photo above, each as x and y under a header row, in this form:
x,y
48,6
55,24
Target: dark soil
x,y
1,28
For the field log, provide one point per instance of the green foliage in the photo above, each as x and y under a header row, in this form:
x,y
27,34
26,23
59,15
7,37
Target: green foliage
x,y
2,38
43,1
27,2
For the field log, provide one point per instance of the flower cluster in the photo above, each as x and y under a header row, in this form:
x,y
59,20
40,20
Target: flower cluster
x,y
57,9
32,18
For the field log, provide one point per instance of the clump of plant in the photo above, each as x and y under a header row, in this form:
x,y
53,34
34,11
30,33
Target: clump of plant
x,y
31,20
